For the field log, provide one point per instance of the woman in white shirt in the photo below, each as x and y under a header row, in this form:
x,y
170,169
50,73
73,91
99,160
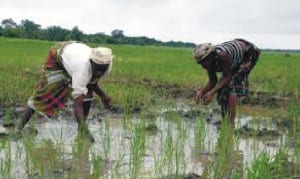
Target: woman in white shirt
x,y
72,70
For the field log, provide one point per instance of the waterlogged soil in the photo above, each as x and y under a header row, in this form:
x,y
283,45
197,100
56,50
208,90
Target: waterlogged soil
x,y
255,98
178,138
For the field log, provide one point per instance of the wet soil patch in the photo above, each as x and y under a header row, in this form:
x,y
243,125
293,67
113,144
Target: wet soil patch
x,y
187,176
246,131
265,99
166,91
262,98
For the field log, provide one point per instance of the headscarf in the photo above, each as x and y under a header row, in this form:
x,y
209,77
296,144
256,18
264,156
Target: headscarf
x,y
202,50
102,55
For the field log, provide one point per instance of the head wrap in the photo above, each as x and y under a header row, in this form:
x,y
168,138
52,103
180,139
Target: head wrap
x,y
202,50
102,55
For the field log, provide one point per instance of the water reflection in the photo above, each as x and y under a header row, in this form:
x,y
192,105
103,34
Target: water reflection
x,y
181,144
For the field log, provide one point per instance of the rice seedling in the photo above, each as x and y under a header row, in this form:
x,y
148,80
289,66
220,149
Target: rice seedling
x,y
144,77
106,137
97,162
137,148
200,133
6,164
168,151
8,118
266,167
223,164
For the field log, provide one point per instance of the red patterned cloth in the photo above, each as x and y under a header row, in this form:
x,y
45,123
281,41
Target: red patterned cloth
x,y
53,88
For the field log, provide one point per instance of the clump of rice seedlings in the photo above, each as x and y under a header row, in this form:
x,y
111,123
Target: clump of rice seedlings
x,y
294,115
97,163
44,159
40,159
137,148
6,163
265,166
80,158
164,160
260,167
106,139
223,163
168,151
158,159
200,132
8,120
33,162
294,120
296,159
171,161
117,166
127,123
179,156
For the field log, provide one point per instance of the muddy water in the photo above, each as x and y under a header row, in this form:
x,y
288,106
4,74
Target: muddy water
x,y
114,142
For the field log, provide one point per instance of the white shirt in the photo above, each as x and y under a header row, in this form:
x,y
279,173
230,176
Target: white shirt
x,y
75,58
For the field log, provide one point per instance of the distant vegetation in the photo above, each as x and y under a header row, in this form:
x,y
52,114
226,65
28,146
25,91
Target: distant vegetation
x,y
30,30
21,60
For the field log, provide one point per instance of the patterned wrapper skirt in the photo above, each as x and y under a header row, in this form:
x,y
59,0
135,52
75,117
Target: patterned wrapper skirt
x,y
53,87
239,84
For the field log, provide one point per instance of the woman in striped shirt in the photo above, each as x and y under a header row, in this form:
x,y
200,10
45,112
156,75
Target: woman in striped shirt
x,y
234,59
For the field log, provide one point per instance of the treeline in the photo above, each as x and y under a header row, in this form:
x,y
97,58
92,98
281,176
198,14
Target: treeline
x,y
30,30
286,51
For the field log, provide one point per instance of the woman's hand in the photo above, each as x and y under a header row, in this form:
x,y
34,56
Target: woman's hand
x,y
207,97
198,95
106,101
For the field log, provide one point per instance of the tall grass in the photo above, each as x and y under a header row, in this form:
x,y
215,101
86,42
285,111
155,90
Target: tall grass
x,y
136,73
277,73
21,60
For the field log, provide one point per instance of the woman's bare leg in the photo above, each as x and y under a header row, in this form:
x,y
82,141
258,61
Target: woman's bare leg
x,y
28,112
232,108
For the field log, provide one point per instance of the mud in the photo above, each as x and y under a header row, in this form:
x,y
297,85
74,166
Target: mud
x,y
262,98
10,116
188,176
173,92
267,135
251,132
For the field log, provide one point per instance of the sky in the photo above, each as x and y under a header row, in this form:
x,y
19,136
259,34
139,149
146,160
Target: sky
x,y
271,24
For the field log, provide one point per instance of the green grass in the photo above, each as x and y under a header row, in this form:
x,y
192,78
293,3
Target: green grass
x,y
161,64
136,72
277,73
21,61
266,167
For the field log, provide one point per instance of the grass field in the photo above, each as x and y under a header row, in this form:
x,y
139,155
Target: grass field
x,y
136,73
21,61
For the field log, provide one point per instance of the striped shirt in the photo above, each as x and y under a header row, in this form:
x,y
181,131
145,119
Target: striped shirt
x,y
234,50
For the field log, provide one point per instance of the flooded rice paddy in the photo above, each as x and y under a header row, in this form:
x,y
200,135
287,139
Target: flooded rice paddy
x,y
164,141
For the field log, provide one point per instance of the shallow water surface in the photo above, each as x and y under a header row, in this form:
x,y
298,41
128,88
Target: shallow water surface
x,y
175,143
